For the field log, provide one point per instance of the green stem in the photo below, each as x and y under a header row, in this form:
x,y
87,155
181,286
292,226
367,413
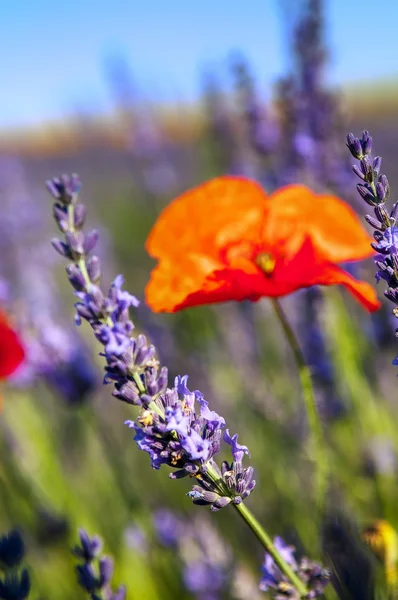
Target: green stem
x,y
266,541
318,451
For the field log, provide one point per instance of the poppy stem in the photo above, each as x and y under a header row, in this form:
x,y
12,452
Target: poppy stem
x,y
266,541
315,426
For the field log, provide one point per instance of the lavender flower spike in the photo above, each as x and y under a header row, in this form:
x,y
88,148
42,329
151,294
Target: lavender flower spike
x,y
375,191
175,426
95,573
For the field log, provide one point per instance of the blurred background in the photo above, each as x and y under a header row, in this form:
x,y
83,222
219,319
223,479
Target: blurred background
x,y
145,100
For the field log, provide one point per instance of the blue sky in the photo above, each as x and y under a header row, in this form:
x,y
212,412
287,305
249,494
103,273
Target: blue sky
x,y
53,52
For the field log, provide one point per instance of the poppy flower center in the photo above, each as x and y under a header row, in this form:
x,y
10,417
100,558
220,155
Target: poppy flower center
x,y
266,262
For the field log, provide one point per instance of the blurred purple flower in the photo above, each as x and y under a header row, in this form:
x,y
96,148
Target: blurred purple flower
x,y
168,526
206,562
311,573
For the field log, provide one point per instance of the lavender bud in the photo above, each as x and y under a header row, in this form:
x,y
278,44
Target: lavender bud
x,y
366,194
377,248
90,240
224,467
354,146
376,165
382,215
94,269
12,550
385,268
79,215
200,496
220,503
358,172
380,191
75,241
366,142
76,278
384,181
89,547
241,486
83,311
374,222
86,578
61,217
394,258
97,297
105,570
394,212
250,487
378,236
179,474
367,170
162,379
65,188
151,384
144,355
229,478
62,248
145,400
237,500
127,392
392,294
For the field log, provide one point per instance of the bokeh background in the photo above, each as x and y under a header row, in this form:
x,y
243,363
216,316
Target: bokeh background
x,y
143,100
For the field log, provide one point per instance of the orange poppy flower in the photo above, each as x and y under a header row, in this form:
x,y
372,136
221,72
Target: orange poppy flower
x,y
227,240
11,350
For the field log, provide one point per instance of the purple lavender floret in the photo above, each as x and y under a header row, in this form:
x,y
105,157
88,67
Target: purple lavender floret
x,y
375,190
314,576
175,426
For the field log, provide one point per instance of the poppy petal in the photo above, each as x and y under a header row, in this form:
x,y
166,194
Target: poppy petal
x,y
172,282
208,218
11,350
333,226
361,290
307,268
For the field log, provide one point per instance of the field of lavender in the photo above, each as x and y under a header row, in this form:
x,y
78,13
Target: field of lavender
x,y
267,303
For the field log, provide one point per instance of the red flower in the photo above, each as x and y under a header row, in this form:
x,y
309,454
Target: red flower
x,y
11,350
227,240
